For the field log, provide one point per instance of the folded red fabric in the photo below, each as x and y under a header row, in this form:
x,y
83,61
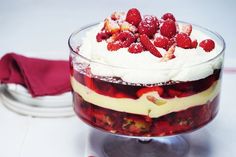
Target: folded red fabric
x,y
40,76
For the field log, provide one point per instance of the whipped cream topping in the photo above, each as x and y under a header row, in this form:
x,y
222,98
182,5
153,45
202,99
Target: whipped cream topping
x,y
144,67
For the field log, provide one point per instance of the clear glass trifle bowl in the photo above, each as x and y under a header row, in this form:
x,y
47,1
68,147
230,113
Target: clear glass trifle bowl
x,y
169,101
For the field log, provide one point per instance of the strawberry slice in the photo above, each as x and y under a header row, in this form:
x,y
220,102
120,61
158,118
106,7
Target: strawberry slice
x,y
89,82
149,45
142,91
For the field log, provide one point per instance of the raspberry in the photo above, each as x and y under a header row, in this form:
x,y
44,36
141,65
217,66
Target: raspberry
x,y
152,18
149,26
187,29
168,28
183,40
194,44
133,16
149,46
161,42
126,38
171,42
114,46
136,35
168,16
207,45
89,81
135,48
102,36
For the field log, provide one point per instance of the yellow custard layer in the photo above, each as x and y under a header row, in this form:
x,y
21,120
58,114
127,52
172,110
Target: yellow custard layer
x,y
150,104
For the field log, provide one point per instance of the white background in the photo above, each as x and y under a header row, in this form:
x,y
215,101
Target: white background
x,y
32,26
41,28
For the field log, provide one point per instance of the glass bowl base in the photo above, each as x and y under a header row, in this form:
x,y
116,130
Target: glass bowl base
x,y
175,146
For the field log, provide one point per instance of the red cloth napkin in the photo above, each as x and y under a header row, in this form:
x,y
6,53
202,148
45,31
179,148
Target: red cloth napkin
x,y
40,76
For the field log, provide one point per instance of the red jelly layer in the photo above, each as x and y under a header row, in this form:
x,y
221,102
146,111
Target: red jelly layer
x,y
115,87
139,125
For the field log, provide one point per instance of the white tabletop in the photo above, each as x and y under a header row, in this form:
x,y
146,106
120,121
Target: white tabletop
x,y
41,29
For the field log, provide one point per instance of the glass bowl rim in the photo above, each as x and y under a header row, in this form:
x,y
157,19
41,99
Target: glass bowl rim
x,y
217,35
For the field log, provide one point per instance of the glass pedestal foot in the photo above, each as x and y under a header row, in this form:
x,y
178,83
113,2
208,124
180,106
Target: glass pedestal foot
x,y
175,146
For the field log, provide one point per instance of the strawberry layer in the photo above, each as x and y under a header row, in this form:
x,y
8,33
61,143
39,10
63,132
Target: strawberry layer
x,y
138,125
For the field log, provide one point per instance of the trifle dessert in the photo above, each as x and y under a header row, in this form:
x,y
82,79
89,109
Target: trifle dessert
x,y
143,75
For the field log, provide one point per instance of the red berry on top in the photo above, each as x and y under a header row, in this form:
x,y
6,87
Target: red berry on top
x,y
126,38
207,45
194,44
152,18
168,16
168,28
183,40
149,26
136,48
149,45
114,46
161,42
133,17
102,36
